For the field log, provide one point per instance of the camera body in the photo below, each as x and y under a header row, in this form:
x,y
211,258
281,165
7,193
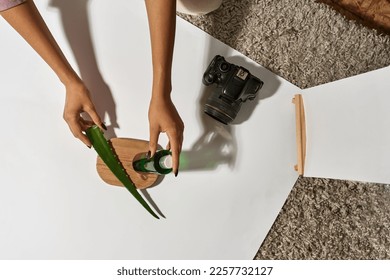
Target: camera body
x,y
235,85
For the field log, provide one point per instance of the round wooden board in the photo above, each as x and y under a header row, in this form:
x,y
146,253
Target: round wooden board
x,y
126,149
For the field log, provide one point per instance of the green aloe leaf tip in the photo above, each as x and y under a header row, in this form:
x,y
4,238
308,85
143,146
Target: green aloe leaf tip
x,y
104,150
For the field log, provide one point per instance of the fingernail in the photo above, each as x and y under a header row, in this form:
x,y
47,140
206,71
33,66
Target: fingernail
x,y
177,172
148,155
104,126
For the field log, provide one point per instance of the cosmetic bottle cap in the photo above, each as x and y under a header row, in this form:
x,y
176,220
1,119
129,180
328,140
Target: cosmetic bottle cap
x,y
166,162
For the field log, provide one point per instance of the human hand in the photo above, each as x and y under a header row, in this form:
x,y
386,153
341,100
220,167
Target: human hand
x,y
27,21
163,117
78,100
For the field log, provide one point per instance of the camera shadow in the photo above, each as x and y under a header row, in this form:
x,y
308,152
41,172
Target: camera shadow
x,y
75,22
214,147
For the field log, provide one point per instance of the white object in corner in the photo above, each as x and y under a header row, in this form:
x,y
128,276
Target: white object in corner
x,y
348,128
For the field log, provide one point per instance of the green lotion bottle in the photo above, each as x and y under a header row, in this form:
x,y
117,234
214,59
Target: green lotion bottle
x,y
160,163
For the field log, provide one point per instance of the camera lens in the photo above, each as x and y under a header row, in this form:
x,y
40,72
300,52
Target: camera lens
x,y
221,110
224,67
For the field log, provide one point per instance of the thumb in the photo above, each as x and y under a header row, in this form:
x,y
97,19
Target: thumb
x,y
95,117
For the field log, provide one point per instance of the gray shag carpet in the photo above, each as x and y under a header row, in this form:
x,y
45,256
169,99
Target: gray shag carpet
x,y
308,43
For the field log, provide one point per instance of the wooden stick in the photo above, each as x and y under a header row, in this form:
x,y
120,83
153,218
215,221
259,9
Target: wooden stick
x,y
300,133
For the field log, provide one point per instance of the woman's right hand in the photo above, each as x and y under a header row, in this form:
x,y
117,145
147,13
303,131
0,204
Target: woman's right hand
x,y
78,100
28,22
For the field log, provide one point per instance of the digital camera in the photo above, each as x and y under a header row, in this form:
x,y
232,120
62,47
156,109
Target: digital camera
x,y
235,85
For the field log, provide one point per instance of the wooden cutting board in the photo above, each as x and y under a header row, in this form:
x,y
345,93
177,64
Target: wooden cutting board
x,y
127,149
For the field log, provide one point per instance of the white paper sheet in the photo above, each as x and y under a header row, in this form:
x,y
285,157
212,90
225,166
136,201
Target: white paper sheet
x,y
53,204
348,128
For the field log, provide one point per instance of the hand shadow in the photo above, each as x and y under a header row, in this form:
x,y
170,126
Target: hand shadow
x,y
74,17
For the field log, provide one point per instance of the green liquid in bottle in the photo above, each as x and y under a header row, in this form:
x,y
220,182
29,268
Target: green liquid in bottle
x,y
160,163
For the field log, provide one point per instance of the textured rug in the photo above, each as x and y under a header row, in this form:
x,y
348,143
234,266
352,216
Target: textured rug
x,y
308,43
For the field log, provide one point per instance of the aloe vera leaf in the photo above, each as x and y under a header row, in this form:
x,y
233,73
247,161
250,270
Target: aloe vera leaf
x,y
106,153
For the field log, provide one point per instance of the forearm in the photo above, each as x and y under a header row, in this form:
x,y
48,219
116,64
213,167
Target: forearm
x,y
27,21
162,25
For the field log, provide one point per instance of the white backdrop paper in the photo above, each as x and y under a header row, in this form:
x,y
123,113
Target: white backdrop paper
x,y
348,128
53,204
